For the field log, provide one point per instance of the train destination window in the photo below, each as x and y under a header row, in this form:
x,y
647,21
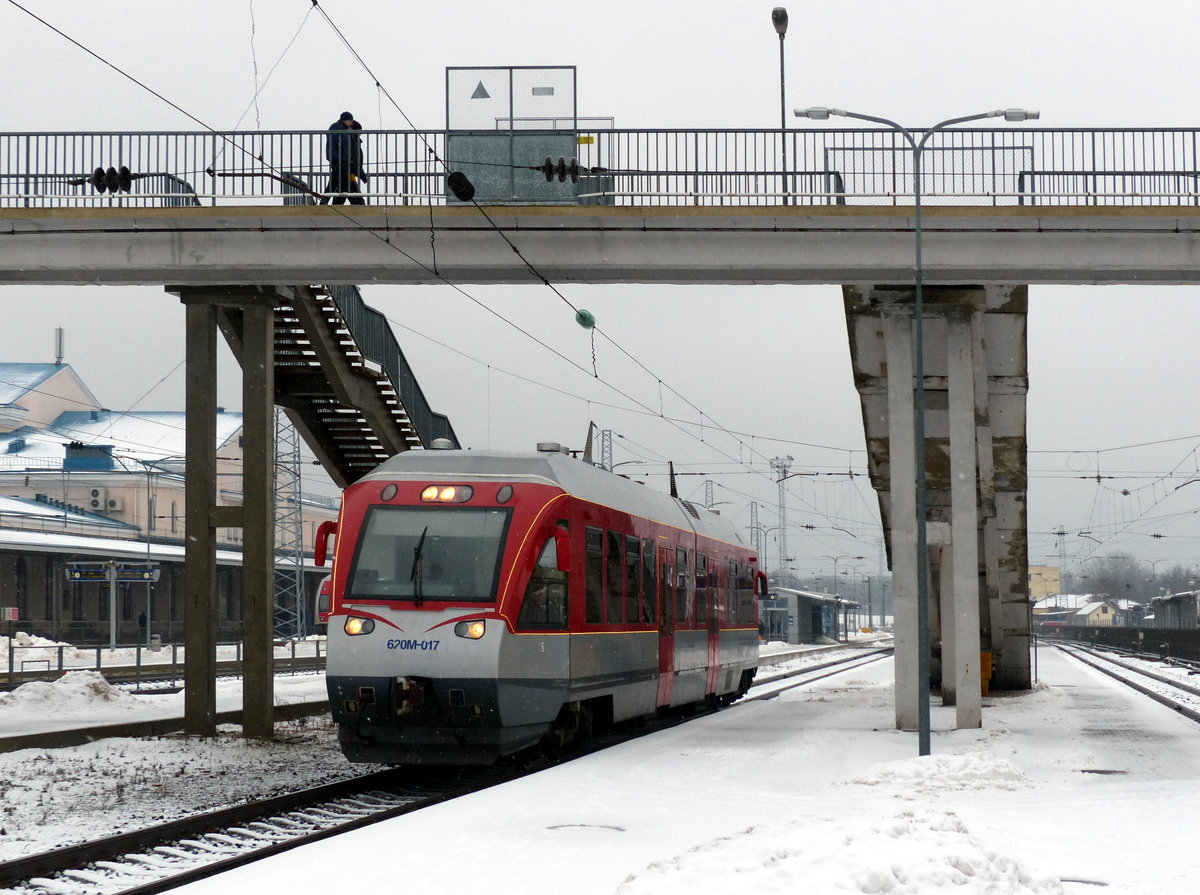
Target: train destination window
x,y
428,553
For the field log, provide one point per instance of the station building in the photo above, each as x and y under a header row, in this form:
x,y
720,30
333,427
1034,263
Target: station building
x,y
80,484
791,614
1177,611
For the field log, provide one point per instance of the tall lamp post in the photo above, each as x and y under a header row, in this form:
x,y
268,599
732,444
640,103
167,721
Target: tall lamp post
x,y
821,113
779,18
854,583
152,466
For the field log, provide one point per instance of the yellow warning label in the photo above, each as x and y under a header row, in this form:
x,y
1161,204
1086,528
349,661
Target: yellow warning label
x,y
585,141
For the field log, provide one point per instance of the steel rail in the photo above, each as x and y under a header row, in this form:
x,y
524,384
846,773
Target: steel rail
x,y
831,668
1104,666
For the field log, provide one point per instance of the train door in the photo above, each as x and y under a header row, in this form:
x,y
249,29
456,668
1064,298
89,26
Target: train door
x,y
666,624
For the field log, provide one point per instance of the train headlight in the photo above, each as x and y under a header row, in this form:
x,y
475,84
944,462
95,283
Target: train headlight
x,y
447,493
470,630
355,625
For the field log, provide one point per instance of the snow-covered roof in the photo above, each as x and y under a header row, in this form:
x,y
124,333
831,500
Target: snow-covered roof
x,y
1091,607
812,595
138,435
37,512
1184,595
1063,601
17,380
108,548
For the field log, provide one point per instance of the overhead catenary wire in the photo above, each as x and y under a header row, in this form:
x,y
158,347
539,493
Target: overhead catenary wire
x,y
533,270
500,231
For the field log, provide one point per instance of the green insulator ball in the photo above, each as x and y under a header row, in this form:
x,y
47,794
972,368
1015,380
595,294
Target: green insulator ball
x,y
585,318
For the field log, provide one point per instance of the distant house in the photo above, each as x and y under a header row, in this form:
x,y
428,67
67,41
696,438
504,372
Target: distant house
x,y
1059,609
33,395
1102,614
1179,611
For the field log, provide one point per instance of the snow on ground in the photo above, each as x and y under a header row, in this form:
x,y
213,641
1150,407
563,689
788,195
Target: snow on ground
x,y
816,792
1077,786
55,797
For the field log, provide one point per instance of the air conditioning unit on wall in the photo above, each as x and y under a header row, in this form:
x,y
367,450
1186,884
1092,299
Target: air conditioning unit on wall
x,y
97,500
115,504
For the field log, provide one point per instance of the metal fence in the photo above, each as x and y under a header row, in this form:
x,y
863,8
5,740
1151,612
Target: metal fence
x,y
1161,642
1119,167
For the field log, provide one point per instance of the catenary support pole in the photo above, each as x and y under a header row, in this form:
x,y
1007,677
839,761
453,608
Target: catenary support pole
x,y
258,515
200,561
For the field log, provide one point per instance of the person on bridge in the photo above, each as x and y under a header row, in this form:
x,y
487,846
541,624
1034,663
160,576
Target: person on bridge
x,y
343,149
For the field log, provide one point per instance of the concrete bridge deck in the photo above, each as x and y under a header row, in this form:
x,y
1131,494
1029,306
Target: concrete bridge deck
x,y
267,245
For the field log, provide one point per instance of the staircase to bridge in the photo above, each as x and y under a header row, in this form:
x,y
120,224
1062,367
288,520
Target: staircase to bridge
x,y
342,379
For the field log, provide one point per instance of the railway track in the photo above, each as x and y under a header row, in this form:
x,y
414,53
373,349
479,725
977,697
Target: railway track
x,y
168,855
770,686
1174,693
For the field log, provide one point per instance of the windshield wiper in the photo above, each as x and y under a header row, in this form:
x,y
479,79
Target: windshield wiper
x,y
417,575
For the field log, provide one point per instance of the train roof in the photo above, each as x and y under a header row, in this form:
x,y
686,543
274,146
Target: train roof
x,y
577,478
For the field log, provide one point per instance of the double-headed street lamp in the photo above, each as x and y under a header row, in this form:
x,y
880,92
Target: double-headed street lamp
x,y
836,560
822,113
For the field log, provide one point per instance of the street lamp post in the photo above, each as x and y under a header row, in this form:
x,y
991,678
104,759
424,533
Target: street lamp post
x,y
779,18
152,466
854,582
837,604
821,113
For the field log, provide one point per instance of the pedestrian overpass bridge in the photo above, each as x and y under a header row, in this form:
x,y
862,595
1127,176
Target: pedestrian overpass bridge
x,y
232,223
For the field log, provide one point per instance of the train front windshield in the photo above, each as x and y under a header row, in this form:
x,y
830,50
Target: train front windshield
x,y
428,553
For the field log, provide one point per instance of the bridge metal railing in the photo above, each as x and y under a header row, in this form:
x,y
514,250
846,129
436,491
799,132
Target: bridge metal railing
x,y
375,341
711,167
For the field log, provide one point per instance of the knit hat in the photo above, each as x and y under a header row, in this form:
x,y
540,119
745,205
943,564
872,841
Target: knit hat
x,y
346,116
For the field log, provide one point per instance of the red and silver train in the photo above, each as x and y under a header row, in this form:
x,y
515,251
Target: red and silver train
x,y
486,602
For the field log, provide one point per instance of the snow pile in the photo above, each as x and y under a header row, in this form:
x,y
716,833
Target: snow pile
x,y
912,853
945,773
74,691
31,648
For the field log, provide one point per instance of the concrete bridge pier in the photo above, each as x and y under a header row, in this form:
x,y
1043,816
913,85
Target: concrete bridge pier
x,y
976,379
207,309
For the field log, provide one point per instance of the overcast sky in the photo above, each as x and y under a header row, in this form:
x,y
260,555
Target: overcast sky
x,y
1109,367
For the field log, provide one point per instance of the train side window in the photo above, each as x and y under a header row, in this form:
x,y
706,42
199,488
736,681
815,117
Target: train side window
x,y
666,593
682,615
701,589
745,593
612,604
594,575
732,597
714,590
545,602
633,558
648,581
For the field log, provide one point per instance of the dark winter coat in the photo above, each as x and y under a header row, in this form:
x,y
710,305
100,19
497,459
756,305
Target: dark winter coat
x,y
343,148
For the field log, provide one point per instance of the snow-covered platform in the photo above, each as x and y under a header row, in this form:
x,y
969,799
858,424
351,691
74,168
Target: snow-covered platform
x,y
1078,786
